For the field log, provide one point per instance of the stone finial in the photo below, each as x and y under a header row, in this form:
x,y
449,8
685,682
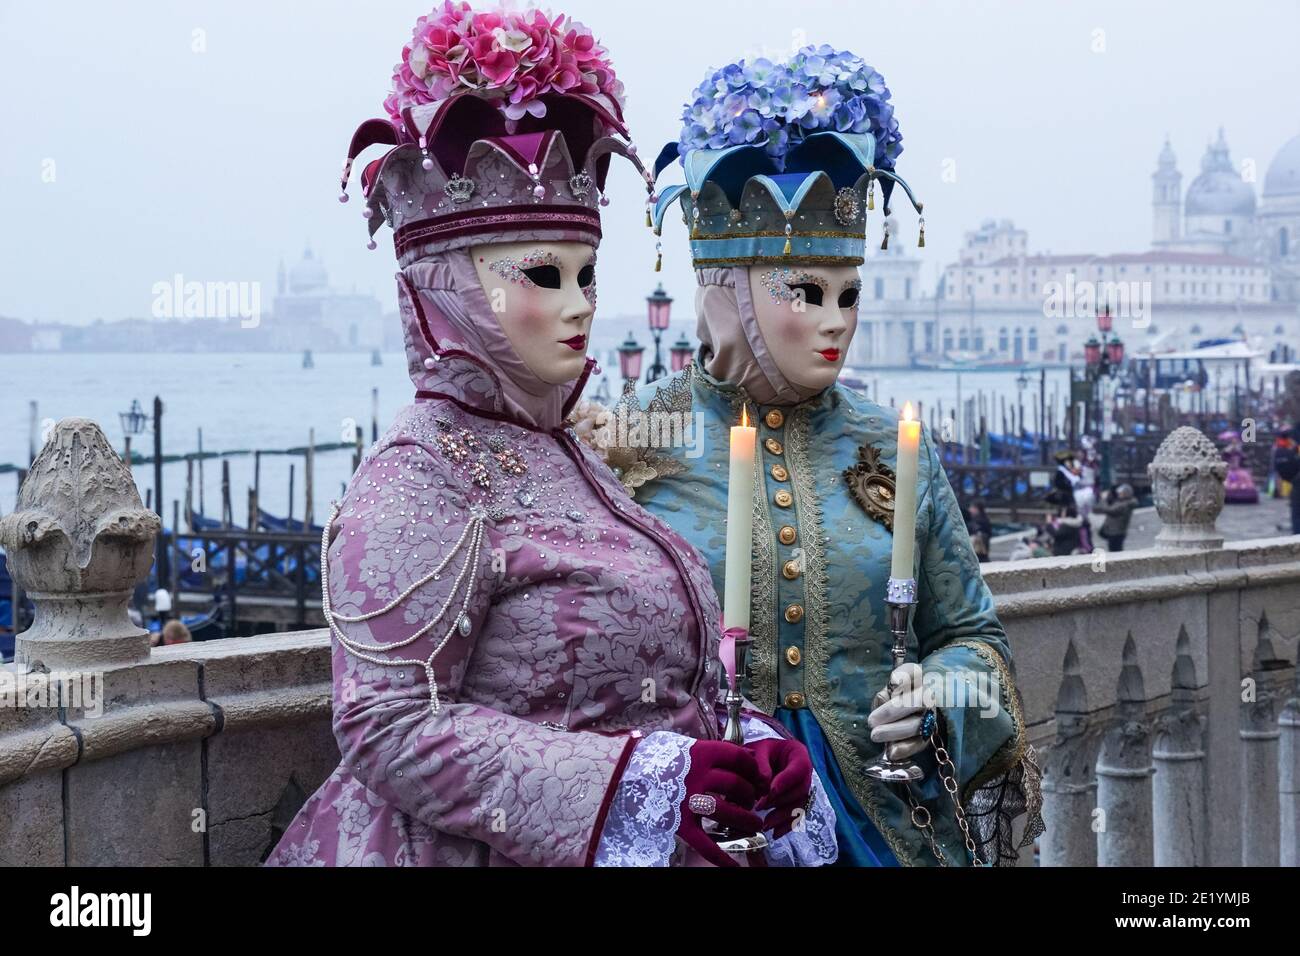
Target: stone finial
x,y
78,543
1187,477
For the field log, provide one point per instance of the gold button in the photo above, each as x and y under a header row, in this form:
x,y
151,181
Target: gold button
x,y
794,613
793,656
794,700
779,473
787,534
774,446
790,570
775,419
783,499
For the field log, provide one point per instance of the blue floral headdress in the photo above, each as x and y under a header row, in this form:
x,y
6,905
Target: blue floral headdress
x,y
781,161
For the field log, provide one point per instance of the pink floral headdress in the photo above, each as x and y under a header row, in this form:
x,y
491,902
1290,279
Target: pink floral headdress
x,y
502,125
514,57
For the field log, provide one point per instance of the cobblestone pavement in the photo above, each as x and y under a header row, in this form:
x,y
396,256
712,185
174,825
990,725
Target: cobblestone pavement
x,y
1270,518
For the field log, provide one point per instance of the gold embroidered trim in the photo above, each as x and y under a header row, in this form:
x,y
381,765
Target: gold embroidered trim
x,y
780,234
816,630
778,260
763,599
1013,751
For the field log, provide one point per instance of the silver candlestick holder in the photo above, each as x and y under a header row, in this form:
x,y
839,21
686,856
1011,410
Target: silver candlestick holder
x,y
900,595
733,733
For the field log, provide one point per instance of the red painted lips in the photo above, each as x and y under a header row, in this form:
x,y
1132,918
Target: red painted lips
x,y
577,343
830,355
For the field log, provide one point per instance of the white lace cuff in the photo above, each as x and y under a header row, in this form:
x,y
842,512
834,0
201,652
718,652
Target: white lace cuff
x,y
641,826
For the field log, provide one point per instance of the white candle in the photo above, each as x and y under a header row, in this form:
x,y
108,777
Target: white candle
x,y
740,523
909,445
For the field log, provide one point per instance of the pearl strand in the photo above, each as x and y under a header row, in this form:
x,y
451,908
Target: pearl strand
x,y
473,530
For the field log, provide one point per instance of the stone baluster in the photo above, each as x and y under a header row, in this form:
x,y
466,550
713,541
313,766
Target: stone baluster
x,y
1124,773
1069,787
1187,475
1259,736
1179,759
78,543
1289,776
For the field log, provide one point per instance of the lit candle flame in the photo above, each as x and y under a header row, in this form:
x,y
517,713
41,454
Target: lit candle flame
x,y
744,416
907,411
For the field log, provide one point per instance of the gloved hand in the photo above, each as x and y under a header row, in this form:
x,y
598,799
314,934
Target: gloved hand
x,y
786,766
895,719
724,780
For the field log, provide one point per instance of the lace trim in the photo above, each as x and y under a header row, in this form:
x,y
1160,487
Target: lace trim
x,y
1010,783
816,630
646,811
813,842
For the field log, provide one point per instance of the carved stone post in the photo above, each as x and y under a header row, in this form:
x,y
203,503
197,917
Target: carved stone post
x,y
1179,758
1259,735
1289,776
1124,774
1069,787
1187,477
78,543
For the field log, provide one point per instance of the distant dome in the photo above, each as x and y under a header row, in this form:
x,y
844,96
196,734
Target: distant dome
x,y
309,275
1283,177
1219,190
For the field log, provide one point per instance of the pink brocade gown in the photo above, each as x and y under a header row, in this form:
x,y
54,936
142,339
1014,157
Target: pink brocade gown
x,y
560,621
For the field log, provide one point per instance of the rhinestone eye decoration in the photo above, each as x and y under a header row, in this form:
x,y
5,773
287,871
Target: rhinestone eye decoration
x,y
459,189
512,269
589,290
848,208
580,185
777,282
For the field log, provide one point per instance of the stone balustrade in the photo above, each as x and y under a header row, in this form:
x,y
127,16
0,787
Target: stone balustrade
x,y
1159,688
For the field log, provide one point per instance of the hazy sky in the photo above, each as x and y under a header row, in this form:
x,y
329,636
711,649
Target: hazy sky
x,y
217,163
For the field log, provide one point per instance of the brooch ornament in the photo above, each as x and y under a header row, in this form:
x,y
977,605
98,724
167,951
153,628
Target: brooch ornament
x,y
847,206
459,189
580,185
872,485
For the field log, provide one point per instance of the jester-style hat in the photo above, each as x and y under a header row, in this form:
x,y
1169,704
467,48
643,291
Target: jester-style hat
x,y
502,125
781,161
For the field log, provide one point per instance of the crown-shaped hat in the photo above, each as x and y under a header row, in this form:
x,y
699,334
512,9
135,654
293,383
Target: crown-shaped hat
x,y
781,162
502,126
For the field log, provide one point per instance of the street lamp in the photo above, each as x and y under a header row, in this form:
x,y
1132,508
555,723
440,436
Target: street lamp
x,y
682,351
1105,321
134,422
629,362
659,306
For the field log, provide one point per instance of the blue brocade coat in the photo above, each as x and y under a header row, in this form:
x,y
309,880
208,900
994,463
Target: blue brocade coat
x,y
818,616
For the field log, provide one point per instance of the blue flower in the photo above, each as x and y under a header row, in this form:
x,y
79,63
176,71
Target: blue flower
x,y
777,105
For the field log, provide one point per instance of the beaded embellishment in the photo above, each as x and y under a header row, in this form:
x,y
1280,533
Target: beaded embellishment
x,y
461,445
512,269
777,282
847,206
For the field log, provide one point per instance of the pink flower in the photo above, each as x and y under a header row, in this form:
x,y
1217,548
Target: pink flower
x,y
496,65
519,56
